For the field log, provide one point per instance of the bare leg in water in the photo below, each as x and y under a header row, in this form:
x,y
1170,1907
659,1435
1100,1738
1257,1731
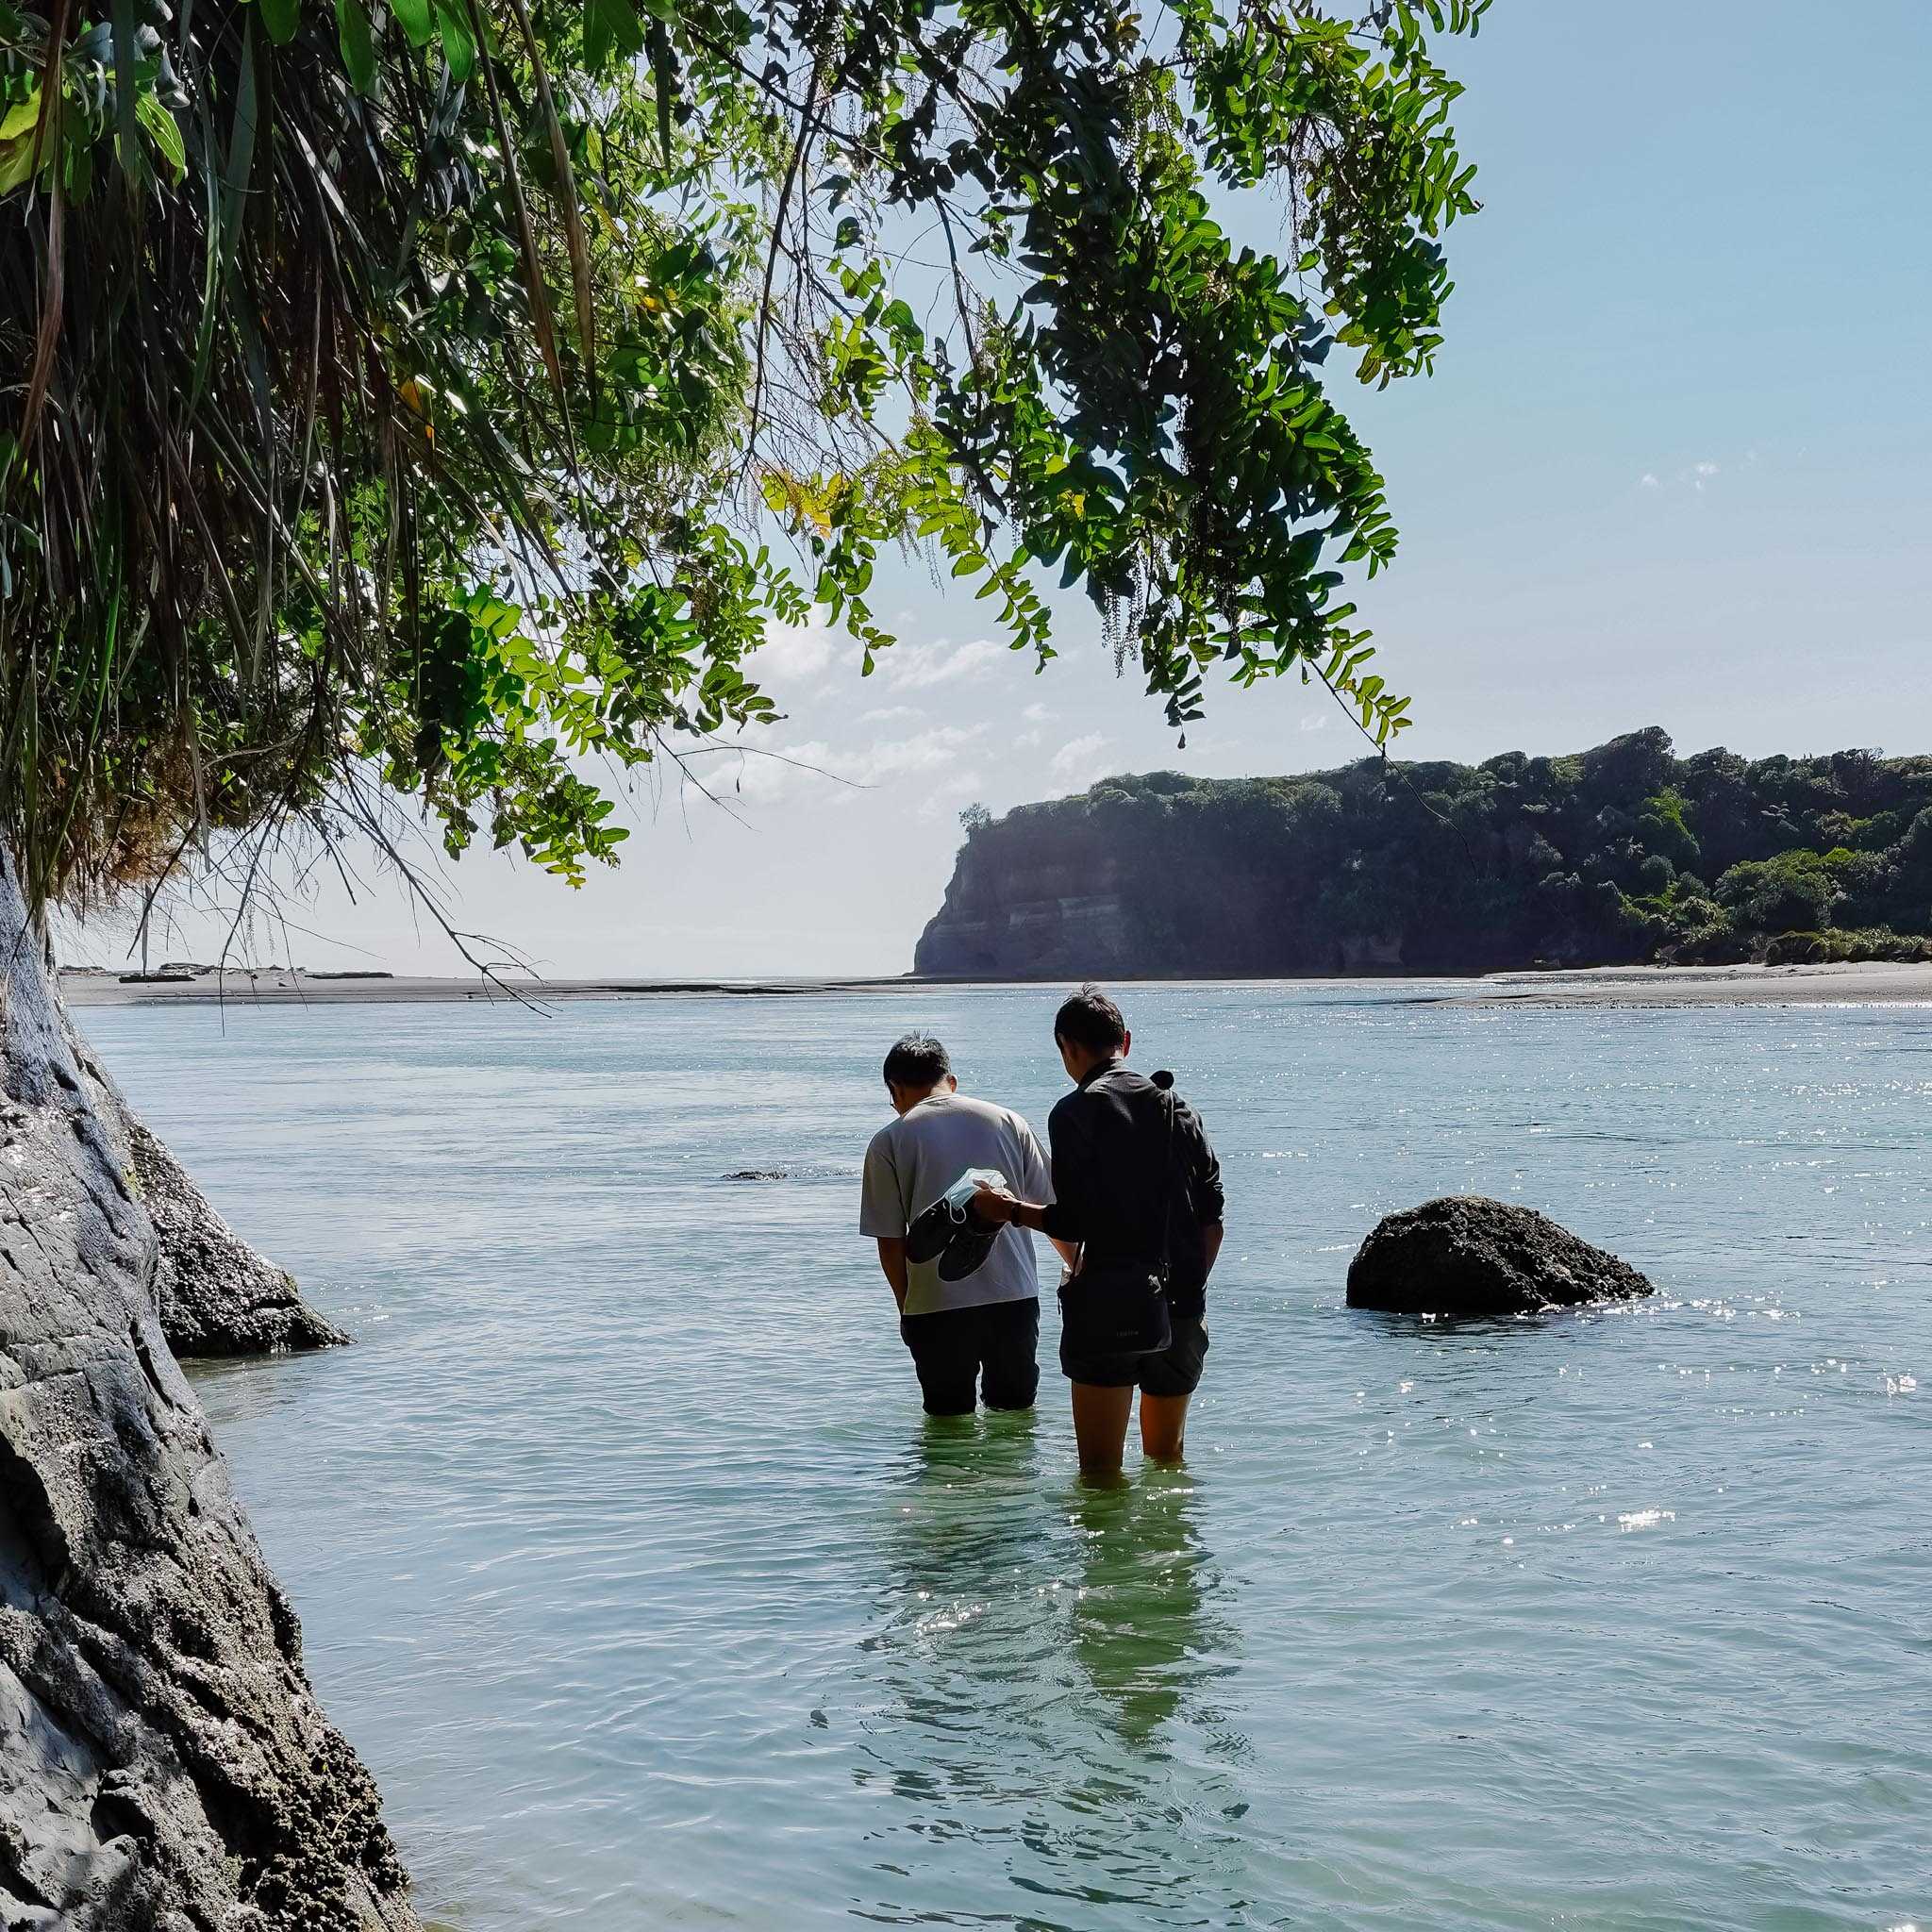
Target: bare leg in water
x,y
1100,1427
1163,1427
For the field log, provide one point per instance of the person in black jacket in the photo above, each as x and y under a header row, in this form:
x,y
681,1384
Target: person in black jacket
x,y
1136,1183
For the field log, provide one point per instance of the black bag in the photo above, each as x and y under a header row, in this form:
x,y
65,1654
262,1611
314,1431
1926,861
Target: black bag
x,y
1118,1304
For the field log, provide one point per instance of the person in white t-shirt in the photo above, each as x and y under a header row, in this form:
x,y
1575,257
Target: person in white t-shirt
x,y
968,1295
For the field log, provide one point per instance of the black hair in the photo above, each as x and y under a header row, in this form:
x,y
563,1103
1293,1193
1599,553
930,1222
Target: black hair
x,y
1089,1019
917,1060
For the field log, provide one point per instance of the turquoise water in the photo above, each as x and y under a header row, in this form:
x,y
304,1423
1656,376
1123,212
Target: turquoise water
x,y
626,1557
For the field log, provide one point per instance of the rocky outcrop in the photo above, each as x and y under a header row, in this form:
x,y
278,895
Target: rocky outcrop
x,y
214,1293
1015,911
1135,880
217,1295
164,1763
1467,1255
1609,856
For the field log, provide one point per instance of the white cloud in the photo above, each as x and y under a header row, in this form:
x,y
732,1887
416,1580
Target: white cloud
x,y
1036,714
1080,760
786,771
946,795
795,654
1317,722
888,714
770,772
930,751
920,667
1693,476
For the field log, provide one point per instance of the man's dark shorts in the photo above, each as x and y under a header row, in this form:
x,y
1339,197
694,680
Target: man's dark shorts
x,y
960,1351
1175,1370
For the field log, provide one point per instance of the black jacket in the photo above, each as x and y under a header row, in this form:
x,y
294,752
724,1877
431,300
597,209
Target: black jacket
x,y
1122,1171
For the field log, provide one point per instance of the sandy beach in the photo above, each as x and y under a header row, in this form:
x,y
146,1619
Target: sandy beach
x,y
1609,986
1864,984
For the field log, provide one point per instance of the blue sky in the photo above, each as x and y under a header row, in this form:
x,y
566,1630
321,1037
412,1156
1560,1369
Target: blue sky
x,y
1674,468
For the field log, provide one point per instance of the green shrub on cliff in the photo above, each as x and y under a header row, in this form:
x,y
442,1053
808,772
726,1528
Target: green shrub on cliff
x,y
1622,854
1795,892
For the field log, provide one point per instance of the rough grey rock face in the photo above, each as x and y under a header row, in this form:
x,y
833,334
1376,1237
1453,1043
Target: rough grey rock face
x,y
164,1765
216,1295
1053,912
1467,1255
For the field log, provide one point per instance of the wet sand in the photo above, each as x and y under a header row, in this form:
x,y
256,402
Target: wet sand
x,y
1610,986
303,988
1865,984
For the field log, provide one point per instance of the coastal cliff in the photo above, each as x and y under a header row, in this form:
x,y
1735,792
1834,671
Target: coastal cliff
x,y
1619,855
164,1762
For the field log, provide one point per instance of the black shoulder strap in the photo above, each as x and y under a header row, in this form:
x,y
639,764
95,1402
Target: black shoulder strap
x,y
1172,1106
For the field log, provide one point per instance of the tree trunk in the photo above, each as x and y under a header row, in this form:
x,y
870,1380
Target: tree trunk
x,y
216,1294
164,1765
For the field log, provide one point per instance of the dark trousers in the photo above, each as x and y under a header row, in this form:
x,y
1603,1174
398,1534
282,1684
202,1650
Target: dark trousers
x,y
960,1350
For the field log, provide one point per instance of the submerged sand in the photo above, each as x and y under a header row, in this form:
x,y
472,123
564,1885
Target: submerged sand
x,y
1612,986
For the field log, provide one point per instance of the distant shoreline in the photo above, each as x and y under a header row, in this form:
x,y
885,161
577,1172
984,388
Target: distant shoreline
x,y
286,988
1864,983
1874,984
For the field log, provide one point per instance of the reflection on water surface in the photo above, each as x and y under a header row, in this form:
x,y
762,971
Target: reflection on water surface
x,y
1042,1655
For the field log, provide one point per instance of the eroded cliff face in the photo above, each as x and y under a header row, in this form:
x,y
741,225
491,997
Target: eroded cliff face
x,y
1015,911
164,1765
1093,887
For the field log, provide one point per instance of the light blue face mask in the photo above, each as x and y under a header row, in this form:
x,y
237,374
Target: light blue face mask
x,y
959,1197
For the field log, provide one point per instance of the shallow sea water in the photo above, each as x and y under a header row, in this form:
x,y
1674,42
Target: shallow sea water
x,y
627,1559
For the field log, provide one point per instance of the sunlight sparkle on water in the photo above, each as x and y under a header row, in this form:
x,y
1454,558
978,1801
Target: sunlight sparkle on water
x,y
625,1557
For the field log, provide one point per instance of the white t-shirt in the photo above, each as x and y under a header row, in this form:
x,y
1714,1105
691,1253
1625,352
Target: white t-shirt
x,y
913,1161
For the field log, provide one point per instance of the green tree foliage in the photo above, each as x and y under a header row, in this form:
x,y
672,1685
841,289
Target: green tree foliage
x,y
1795,892
1623,854
401,398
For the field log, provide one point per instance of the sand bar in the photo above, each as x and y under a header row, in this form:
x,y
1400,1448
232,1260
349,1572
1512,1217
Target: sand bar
x,y
286,988
1864,984
1610,986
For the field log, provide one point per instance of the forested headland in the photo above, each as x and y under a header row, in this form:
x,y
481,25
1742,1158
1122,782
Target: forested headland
x,y
1615,856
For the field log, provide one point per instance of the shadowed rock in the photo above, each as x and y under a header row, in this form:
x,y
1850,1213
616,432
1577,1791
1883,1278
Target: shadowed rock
x,y
216,1295
164,1765
1467,1255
